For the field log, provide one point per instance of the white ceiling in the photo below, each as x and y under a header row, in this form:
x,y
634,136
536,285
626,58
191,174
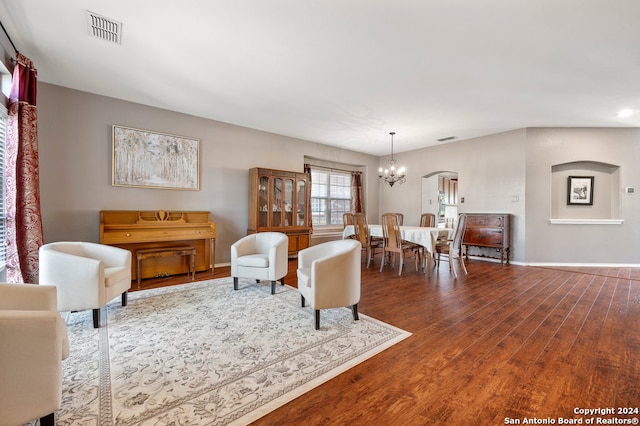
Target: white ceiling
x,y
347,72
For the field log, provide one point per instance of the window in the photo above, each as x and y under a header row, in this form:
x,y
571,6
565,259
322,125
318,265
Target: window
x,y
3,135
330,196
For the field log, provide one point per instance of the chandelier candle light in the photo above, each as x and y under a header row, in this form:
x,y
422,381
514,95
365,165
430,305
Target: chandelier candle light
x,y
392,174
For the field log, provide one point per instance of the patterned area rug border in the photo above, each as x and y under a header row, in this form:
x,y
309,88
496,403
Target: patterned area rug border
x,y
204,354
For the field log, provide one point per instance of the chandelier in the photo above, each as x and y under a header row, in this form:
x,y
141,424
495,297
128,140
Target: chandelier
x,y
392,175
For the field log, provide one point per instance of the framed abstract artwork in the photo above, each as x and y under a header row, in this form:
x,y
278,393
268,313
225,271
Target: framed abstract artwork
x,y
580,191
146,159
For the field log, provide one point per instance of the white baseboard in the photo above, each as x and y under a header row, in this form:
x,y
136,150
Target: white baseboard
x,y
586,265
560,264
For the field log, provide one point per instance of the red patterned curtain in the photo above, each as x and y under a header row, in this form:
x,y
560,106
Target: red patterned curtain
x,y
24,222
356,189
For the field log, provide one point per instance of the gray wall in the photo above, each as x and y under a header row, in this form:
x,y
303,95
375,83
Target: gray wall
x,y
578,243
512,172
491,171
508,172
75,165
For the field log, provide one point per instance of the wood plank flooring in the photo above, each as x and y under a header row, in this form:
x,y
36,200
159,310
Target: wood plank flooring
x,y
504,343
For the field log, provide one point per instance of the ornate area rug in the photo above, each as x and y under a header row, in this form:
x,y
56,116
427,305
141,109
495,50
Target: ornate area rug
x,y
204,354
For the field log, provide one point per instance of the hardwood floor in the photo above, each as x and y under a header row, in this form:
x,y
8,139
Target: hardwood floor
x,y
503,342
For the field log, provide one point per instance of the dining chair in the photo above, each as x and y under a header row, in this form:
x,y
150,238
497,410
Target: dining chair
x,y
428,219
369,244
400,217
347,219
449,222
393,242
452,248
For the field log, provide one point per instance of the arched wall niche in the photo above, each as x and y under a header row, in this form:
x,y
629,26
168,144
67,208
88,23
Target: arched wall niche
x,y
606,191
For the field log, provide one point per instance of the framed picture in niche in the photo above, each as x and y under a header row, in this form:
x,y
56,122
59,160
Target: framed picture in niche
x,y
580,191
147,159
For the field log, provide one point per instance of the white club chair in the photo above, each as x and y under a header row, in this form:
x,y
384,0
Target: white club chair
x,y
329,276
87,275
261,256
33,344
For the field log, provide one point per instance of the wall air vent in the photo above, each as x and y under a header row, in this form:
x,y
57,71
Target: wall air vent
x,y
104,28
447,139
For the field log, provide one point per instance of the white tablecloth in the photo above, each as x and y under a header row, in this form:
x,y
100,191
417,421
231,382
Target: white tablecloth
x,y
425,236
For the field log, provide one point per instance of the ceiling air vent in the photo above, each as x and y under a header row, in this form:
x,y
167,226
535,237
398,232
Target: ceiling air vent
x,y
104,28
447,139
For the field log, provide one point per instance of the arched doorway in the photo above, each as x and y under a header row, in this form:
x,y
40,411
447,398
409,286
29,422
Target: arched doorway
x,y
440,196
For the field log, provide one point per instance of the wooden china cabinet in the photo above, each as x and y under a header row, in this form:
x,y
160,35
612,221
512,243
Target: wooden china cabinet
x,y
278,203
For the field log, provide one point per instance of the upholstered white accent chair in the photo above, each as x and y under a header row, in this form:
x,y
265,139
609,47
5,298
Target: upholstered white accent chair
x,y
87,275
261,256
33,344
329,276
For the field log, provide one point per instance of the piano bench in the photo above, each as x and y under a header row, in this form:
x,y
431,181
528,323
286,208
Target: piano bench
x,y
142,254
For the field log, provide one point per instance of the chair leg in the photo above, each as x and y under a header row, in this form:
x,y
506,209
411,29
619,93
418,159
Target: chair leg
x,y
317,319
386,259
235,283
282,281
96,318
354,308
124,298
452,269
273,287
303,301
461,259
48,420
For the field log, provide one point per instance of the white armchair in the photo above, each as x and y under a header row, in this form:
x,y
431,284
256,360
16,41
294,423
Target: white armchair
x,y
329,276
34,343
87,275
262,256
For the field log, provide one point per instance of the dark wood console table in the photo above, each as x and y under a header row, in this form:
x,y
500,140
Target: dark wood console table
x,y
488,230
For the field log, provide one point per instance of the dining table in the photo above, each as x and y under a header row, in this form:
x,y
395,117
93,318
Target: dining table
x,y
424,236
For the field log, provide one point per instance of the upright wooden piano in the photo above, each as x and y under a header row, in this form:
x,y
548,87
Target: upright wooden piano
x,y
134,230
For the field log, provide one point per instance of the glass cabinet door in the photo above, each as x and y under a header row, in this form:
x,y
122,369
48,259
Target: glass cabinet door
x,y
287,207
263,202
301,201
276,208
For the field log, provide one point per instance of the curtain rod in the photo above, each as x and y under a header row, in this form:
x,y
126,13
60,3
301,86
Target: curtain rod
x,y
8,37
332,169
